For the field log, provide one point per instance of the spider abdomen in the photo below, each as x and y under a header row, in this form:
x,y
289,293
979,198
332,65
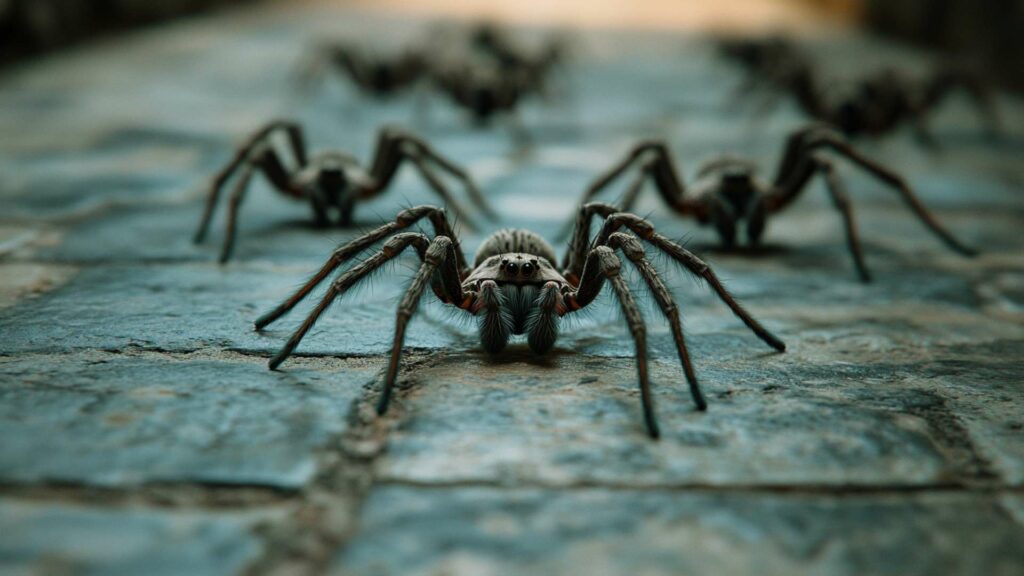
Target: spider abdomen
x,y
511,240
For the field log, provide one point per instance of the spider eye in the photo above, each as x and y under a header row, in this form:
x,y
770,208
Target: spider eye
x,y
527,269
512,268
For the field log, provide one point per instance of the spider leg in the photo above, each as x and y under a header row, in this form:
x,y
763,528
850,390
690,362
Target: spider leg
x,y
267,162
435,183
944,83
403,220
427,152
295,137
394,146
579,242
696,266
440,253
839,145
659,168
633,192
606,178
391,249
351,61
234,203
634,250
602,264
841,200
636,153
793,155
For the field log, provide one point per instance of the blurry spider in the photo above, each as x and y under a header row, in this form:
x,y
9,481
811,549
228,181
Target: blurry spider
x,y
877,104
374,74
514,287
483,93
882,102
760,56
330,181
727,192
512,58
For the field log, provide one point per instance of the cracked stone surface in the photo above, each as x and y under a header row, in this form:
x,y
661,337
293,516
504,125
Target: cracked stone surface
x,y
106,420
598,531
143,432
44,538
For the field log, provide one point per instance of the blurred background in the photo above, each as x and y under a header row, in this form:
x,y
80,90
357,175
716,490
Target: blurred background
x,y
987,31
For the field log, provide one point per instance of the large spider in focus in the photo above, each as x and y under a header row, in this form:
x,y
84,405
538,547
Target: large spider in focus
x,y
727,191
374,74
514,287
331,181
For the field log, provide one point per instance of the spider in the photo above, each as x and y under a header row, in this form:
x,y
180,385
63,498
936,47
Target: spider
x,y
514,288
727,192
330,181
374,74
482,92
760,56
882,102
878,103
512,58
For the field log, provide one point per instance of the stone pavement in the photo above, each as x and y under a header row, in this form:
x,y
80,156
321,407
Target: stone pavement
x,y
142,432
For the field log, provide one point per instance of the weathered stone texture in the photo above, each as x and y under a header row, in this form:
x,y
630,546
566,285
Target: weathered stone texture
x,y
138,416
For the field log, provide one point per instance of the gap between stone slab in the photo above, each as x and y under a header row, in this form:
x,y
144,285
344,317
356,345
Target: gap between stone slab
x,y
839,490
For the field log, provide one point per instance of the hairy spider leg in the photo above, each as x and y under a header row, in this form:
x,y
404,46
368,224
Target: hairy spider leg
x,y
269,163
450,282
634,250
393,147
645,231
242,154
655,163
797,166
345,252
602,264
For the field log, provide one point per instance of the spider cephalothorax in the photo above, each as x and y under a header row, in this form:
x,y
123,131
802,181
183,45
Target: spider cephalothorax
x,y
728,193
515,288
332,182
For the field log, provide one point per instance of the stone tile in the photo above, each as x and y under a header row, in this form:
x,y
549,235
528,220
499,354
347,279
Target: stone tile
x,y
50,538
982,382
187,307
19,281
270,227
123,166
575,420
110,420
595,531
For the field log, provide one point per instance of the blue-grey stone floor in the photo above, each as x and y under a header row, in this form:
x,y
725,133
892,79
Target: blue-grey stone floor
x,y
141,432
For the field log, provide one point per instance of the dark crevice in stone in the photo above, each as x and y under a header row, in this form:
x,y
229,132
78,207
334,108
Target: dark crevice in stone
x,y
328,509
835,490
953,438
198,495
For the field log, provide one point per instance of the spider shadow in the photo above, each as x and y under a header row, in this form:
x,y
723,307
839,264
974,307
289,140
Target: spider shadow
x,y
760,250
309,225
520,353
